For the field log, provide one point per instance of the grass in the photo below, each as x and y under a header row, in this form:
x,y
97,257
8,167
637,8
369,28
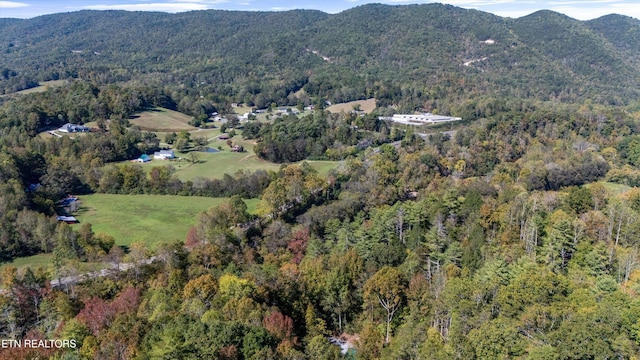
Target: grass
x,y
152,219
365,105
34,262
207,133
162,120
324,167
215,165
42,87
613,188
242,109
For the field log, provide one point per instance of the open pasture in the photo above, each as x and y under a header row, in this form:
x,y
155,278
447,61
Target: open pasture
x,y
215,165
34,262
152,219
365,105
42,87
612,188
162,120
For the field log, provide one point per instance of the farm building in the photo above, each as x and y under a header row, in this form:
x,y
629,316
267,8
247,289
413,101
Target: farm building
x,y
144,158
164,155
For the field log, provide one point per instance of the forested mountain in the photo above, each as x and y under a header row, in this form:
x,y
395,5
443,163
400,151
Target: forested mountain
x,y
432,51
622,31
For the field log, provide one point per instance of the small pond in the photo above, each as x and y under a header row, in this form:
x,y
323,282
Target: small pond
x,y
210,150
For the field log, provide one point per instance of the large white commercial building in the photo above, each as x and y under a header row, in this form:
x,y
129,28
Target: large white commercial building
x,y
420,119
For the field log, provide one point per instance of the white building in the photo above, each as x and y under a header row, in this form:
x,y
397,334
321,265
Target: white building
x,y
420,119
164,155
73,128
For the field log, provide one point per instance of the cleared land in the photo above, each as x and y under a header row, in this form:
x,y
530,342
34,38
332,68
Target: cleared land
x,y
43,86
195,132
215,165
162,120
152,219
324,167
613,188
365,105
241,110
34,262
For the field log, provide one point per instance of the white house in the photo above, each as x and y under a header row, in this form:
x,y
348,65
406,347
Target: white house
x,y
164,155
72,128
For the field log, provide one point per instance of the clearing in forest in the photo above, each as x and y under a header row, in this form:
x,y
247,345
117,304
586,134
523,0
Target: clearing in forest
x,y
42,87
152,219
162,120
365,105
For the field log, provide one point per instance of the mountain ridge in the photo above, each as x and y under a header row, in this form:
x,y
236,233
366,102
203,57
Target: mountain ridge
x,y
543,55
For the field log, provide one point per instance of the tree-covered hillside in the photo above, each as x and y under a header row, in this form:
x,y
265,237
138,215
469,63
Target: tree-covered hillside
x,y
432,51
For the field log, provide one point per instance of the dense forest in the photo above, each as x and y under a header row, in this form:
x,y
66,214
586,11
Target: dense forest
x,y
513,236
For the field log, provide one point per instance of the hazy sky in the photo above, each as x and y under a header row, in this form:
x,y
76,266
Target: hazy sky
x,y
582,10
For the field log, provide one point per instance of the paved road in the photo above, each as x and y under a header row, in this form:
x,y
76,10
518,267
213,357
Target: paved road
x,y
68,280
451,133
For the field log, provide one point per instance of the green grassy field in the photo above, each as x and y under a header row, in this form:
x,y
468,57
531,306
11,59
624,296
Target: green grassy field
x,y
43,86
613,188
162,120
215,165
209,134
153,219
34,262
324,167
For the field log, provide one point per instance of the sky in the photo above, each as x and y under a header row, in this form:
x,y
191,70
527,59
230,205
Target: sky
x,y
581,10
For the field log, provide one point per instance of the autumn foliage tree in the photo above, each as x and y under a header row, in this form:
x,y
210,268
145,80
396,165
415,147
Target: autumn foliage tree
x,y
386,288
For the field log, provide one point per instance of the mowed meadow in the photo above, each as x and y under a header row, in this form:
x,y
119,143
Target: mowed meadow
x,y
152,219
42,87
162,120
